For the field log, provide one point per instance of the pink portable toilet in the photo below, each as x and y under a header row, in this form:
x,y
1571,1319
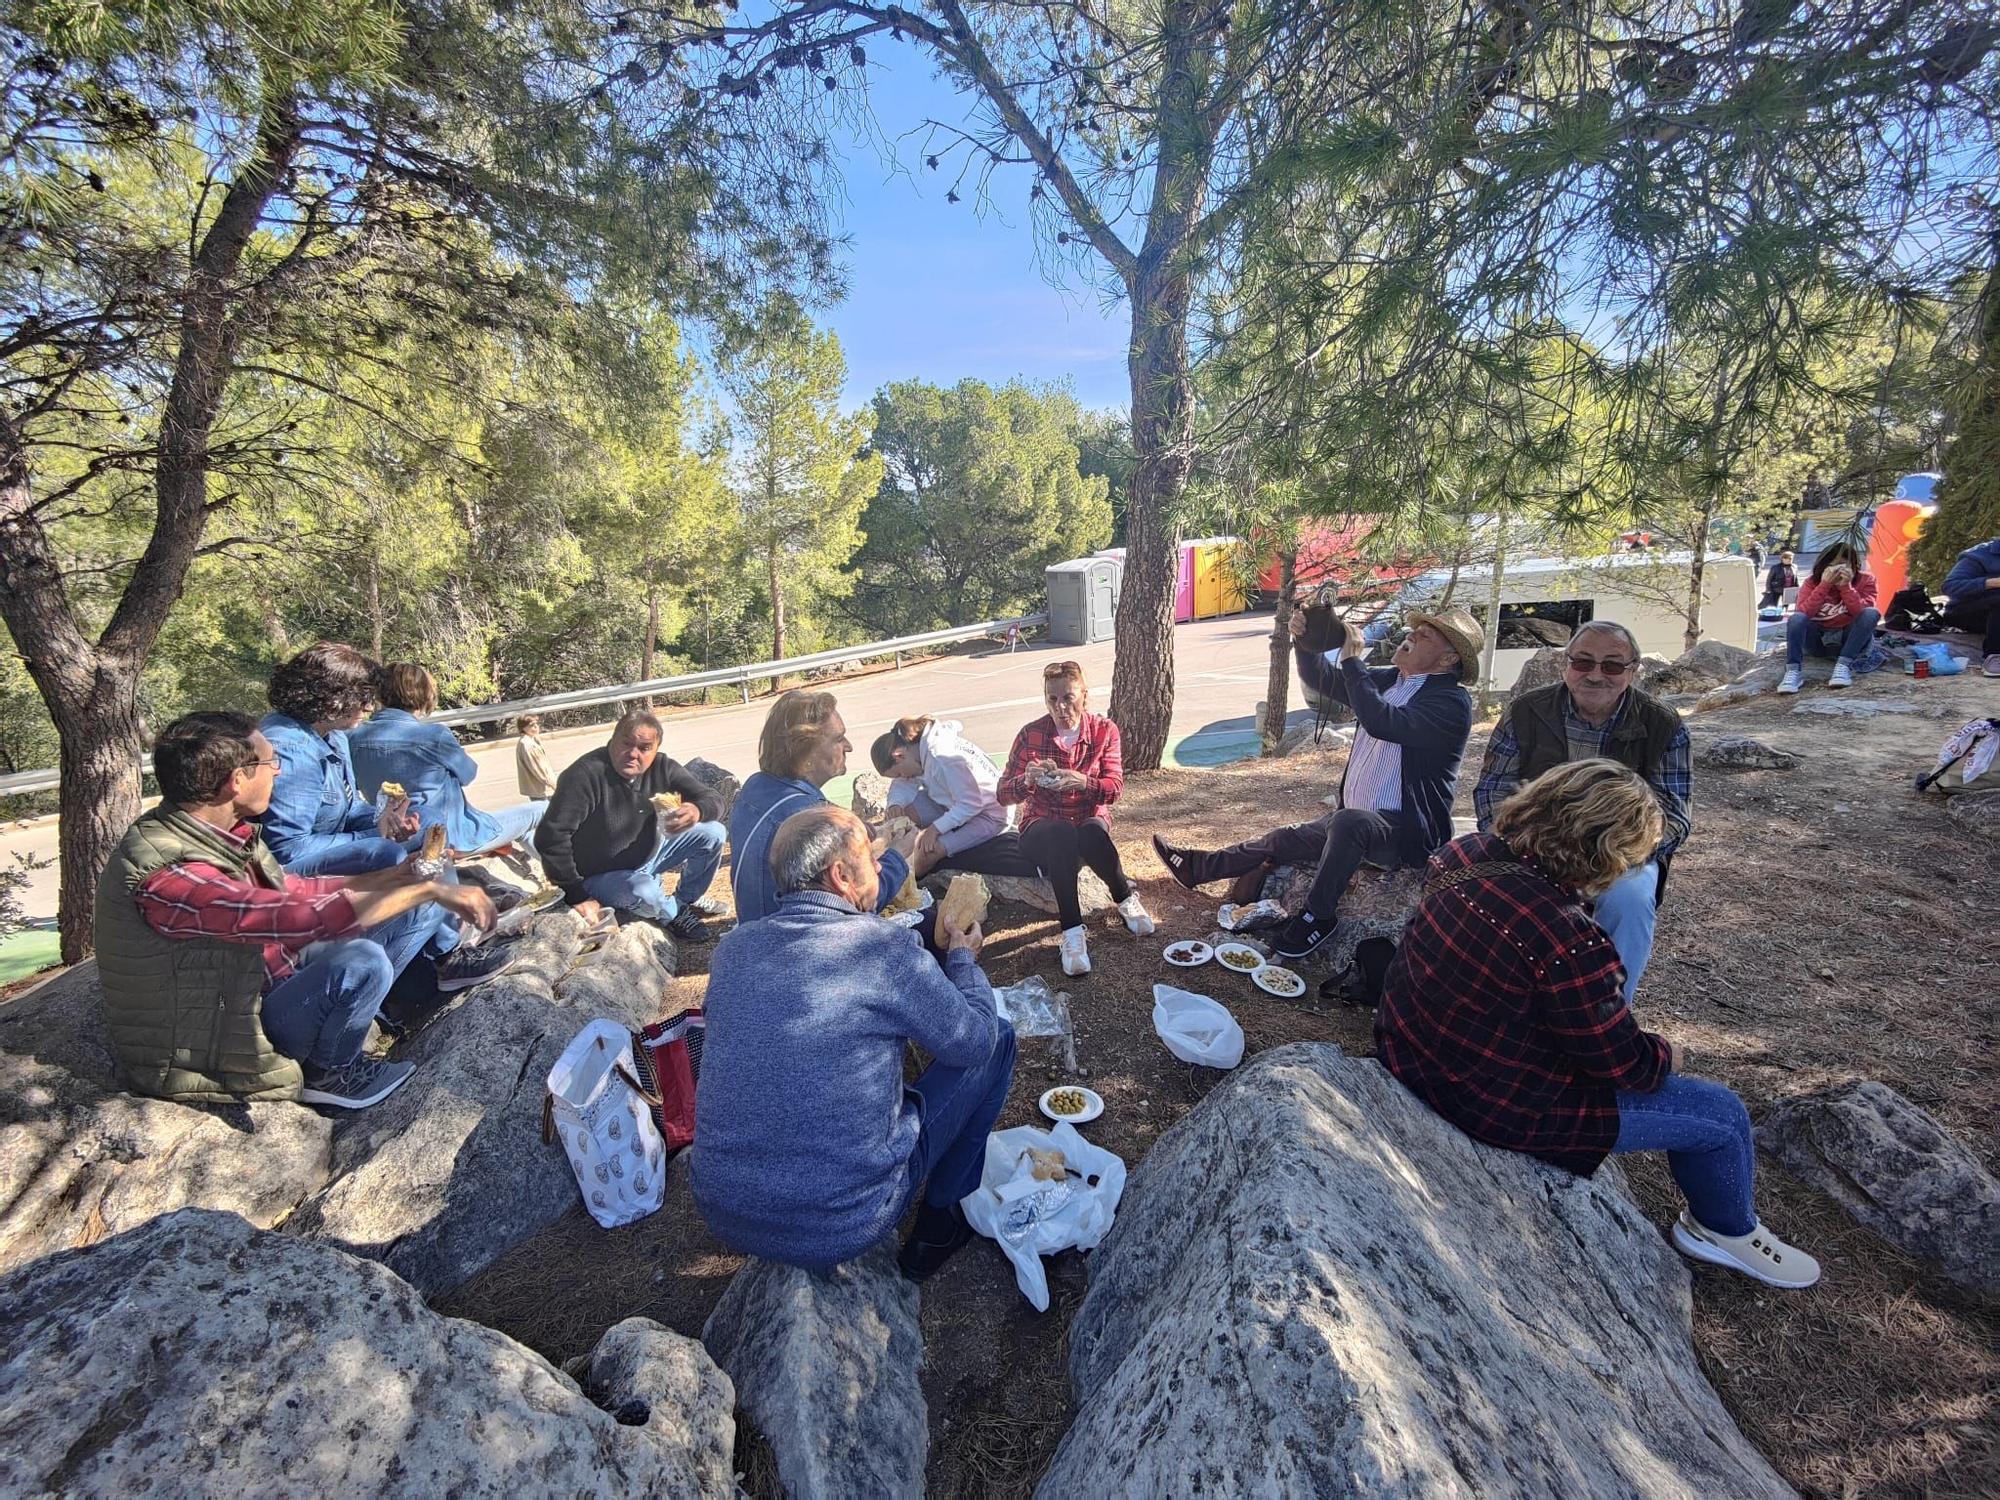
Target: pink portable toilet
x,y
1184,585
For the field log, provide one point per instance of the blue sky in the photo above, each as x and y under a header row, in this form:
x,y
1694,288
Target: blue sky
x,y
938,293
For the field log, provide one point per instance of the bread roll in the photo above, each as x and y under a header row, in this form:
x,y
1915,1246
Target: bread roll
x,y
391,791
434,841
964,903
666,801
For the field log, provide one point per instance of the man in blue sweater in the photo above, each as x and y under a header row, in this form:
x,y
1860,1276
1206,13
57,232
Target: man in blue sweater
x,y
1972,598
1395,799
808,1146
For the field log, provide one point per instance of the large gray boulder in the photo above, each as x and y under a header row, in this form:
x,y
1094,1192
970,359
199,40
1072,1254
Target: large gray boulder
x,y
1091,896
1541,669
200,1356
870,800
1739,752
1894,1168
81,1159
826,1368
1315,1286
1702,667
717,780
451,1171
1377,904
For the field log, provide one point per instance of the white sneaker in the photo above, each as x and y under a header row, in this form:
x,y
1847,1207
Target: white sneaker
x,y
1795,678
1992,667
1843,675
1138,921
1075,951
1760,1254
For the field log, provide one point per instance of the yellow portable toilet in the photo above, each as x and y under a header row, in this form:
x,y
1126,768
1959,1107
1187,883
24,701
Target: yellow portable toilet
x,y
1217,588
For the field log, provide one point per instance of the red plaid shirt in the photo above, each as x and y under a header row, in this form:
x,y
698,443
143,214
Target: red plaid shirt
x,y
1504,1010
197,900
1098,754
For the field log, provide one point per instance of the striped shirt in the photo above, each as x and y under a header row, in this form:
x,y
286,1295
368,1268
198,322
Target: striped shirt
x,y
1375,767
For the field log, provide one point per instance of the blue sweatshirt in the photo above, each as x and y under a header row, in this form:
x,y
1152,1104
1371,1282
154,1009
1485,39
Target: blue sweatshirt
x,y
761,808
1966,582
803,1130
395,745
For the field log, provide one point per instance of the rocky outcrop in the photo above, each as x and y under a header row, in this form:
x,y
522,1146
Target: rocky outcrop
x,y
1539,670
1763,677
717,780
870,802
826,1367
1091,896
1377,904
1894,1168
199,1356
1738,752
1316,1286
1702,667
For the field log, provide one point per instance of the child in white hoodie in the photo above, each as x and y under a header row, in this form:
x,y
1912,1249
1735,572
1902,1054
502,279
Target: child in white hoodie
x,y
946,785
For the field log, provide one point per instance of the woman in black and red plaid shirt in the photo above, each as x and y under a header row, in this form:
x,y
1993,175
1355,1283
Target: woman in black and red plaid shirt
x,y
1505,1012
1065,771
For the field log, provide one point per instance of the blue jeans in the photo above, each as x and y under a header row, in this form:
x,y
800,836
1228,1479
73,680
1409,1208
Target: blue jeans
x,y
422,929
1850,643
1705,1131
696,853
516,823
320,1014
958,1107
1628,911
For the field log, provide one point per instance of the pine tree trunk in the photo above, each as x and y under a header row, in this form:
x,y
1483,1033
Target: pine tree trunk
x,y
652,634
777,611
374,606
1278,686
1691,636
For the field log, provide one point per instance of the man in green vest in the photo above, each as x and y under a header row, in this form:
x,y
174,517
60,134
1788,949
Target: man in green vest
x,y
224,978
1598,710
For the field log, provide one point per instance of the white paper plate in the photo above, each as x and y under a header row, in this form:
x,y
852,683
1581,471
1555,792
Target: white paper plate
x,y
1269,987
1223,950
1202,954
1093,1106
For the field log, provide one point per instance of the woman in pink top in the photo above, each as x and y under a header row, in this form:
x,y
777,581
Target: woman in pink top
x,y
1836,616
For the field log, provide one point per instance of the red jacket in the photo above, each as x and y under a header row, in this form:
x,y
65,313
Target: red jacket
x,y
1848,601
1098,753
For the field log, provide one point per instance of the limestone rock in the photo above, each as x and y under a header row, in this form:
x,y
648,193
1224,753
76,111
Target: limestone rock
x,y
1378,904
1704,666
1763,677
1091,896
826,1367
1541,669
1738,752
870,801
1316,1286
80,1158
1894,1168
199,1356
717,780
1838,707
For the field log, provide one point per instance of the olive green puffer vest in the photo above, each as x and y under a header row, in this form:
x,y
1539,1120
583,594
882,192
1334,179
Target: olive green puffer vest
x,y
183,1013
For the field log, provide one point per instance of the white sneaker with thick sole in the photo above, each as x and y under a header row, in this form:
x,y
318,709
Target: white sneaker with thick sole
x,y
1843,675
1075,951
1138,921
1795,678
1760,1254
1992,667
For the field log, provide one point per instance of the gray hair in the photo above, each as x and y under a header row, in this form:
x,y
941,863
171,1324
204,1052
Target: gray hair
x,y
1631,640
809,843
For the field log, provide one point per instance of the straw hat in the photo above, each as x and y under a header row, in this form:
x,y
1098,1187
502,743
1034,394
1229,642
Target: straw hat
x,y
1457,626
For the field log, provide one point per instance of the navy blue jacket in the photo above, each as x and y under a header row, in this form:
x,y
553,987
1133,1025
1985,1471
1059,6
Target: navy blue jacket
x,y
1966,582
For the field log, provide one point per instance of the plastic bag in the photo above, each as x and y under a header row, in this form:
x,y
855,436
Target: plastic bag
x,y
1195,1028
1235,918
1029,1219
1944,661
599,1111
1033,1011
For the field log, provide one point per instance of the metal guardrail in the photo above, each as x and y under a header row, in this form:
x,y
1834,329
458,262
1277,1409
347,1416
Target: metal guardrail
x,y
23,782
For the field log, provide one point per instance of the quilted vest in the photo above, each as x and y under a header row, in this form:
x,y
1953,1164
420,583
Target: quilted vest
x,y
1639,742
184,1013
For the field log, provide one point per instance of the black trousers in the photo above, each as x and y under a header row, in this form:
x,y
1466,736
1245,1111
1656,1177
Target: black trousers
x,y
1339,845
1981,613
1060,850
1000,855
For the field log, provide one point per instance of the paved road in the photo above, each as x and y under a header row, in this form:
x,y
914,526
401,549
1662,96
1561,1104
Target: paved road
x,y
1220,672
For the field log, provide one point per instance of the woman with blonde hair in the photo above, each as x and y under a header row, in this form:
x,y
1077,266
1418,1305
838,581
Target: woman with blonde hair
x,y
1505,1012
1065,771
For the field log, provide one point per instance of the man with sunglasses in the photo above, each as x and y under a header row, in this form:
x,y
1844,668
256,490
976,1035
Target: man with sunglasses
x,y
1598,710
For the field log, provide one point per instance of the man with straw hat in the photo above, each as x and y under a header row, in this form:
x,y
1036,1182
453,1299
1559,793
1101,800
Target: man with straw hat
x,y
1402,772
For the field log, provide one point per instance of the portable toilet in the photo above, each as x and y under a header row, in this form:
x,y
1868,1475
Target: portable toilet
x,y
1217,588
1897,524
1184,583
1083,600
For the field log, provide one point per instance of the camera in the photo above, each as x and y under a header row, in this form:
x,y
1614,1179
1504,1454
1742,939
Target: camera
x,y
1324,631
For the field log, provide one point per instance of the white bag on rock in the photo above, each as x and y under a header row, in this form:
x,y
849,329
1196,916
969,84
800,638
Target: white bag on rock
x,y
1195,1028
1030,1219
598,1109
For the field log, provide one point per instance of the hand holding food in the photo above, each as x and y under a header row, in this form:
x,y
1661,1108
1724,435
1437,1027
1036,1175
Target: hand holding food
x,y
964,903
395,818
468,902
676,814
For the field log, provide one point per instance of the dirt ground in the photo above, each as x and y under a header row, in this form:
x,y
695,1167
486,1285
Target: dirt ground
x,y
1823,923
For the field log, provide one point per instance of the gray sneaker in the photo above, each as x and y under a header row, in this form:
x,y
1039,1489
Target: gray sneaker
x,y
466,966
1992,667
365,1081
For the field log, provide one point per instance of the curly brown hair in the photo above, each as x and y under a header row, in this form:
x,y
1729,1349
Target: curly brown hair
x,y
326,681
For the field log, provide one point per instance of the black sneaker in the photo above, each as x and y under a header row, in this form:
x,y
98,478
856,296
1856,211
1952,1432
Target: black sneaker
x,y
1299,937
365,1081
1190,867
938,1235
689,927
464,967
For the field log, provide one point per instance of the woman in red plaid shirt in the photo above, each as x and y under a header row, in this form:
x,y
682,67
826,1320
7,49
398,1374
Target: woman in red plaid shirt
x,y
1505,1012
1065,770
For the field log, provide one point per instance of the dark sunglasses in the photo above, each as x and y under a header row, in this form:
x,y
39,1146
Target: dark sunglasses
x,y
1610,667
1063,669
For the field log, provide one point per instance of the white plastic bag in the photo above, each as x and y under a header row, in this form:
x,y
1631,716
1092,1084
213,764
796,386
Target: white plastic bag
x,y
598,1110
1030,1219
1195,1028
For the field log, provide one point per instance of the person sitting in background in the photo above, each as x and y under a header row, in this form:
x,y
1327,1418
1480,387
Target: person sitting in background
x,y
1836,616
808,1145
531,762
1402,772
318,823
225,978
945,784
802,747
431,766
605,843
1599,710
1782,576
1972,598
1505,1012
1065,770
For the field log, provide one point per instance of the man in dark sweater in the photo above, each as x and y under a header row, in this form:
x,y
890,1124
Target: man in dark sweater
x,y
1402,772
605,843
808,1145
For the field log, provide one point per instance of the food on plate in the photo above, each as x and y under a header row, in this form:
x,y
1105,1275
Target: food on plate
x,y
964,903
1281,981
666,801
1183,953
1047,1166
434,840
1239,960
1068,1102
392,791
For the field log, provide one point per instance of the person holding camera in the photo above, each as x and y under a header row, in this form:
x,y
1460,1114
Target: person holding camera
x,y
1402,772
1836,616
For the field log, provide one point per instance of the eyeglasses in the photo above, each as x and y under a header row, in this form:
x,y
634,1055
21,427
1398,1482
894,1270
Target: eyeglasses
x,y
1057,669
249,765
1610,666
